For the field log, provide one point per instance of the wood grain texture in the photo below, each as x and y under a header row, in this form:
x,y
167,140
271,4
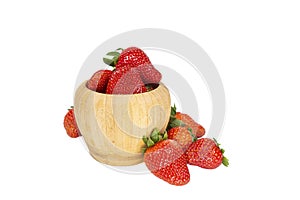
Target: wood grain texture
x,y
113,125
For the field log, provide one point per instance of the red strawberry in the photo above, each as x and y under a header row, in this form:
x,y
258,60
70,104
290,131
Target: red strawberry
x,y
206,153
197,129
182,135
166,160
134,57
181,119
125,80
99,80
70,124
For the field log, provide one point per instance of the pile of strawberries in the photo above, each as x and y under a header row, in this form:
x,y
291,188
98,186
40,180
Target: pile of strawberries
x,y
166,154
132,73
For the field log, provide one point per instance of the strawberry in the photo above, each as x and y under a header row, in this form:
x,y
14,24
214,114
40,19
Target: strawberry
x,y
134,57
70,124
182,135
149,74
166,159
99,80
188,121
181,119
125,80
206,153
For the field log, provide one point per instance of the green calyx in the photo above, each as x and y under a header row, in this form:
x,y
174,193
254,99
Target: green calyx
x,y
111,58
225,160
192,134
173,122
154,138
173,110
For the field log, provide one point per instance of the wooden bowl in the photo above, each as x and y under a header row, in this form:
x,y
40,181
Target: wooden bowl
x,y
113,125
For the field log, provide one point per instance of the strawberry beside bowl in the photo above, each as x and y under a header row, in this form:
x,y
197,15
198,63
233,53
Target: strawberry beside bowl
x,y
112,125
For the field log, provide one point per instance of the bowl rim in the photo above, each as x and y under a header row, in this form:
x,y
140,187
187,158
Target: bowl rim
x,y
160,85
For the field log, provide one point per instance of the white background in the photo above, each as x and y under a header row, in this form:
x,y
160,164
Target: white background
x,y
254,44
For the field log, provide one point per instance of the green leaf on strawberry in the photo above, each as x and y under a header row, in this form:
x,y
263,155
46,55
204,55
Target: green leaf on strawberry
x,y
111,58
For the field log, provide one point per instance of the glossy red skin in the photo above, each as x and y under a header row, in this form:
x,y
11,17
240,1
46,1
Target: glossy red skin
x,y
98,82
132,57
204,153
149,74
167,161
135,57
182,136
125,80
197,129
70,124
